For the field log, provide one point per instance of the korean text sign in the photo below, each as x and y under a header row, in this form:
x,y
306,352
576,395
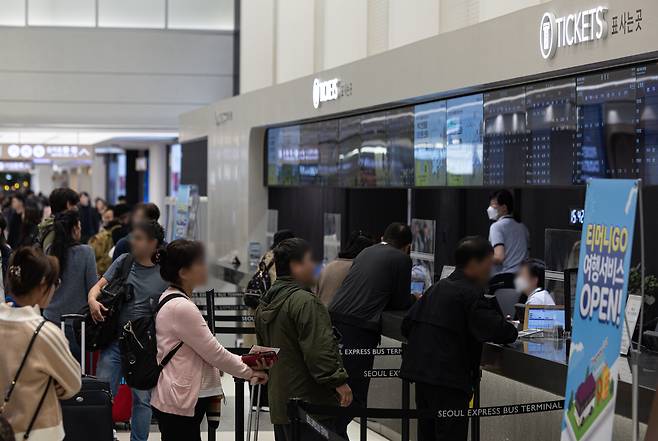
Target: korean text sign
x,y
598,313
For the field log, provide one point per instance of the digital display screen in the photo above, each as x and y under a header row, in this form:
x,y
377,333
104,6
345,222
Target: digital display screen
x,y
349,145
283,150
551,133
400,153
374,150
606,139
464,123
328,145
545,318
552,123
417,287
647,108
309,154
430,144
505,137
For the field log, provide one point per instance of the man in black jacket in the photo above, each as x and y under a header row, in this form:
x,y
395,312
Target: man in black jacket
x,y
379,280
445,331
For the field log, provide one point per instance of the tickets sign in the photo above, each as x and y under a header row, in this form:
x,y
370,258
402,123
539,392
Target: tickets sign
x,y
598,322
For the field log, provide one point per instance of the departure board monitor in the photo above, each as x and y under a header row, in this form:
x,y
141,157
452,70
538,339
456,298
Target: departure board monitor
x,y
552,123
647,142
328,146
400,147
606,140
505,137
349,146
309,154
430,144
374,150
464,123
283,155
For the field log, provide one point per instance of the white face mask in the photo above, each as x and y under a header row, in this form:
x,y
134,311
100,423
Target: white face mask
x,y
521,284
492,213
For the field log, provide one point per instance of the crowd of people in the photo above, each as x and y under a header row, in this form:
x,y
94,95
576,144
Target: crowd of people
x,y
66,257
59,256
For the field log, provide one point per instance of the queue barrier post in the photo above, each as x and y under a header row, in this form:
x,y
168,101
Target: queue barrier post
x,y
475,421
406,404
211,318
295,420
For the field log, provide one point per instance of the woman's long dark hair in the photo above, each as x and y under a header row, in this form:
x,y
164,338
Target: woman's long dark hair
x,y
65,222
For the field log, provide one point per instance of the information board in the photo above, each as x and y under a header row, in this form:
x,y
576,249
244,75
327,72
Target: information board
x,y
430,144
647,140
606,139
552,117
464,123
505,137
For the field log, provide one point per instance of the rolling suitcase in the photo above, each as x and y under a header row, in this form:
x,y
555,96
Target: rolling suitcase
x,y
88,415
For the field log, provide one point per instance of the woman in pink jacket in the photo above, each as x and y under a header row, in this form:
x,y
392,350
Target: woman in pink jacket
x,y
191,378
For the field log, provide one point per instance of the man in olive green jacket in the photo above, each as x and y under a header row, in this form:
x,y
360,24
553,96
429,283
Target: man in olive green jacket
x,y
293,319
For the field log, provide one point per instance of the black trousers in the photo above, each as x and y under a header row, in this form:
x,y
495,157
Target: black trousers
x,y
357,338
283,432
442,429
178,427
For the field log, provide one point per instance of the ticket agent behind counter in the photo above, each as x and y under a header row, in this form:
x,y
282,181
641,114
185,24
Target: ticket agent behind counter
x,y
509,238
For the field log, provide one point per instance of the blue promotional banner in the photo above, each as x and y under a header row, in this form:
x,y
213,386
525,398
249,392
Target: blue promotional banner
x,y
598,313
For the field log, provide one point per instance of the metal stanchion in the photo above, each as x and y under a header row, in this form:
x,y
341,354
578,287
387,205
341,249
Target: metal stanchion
x,y
475,421
406,398
295,423
364,428
239,409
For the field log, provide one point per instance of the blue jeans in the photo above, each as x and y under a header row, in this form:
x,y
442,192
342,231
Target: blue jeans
x,y
109,369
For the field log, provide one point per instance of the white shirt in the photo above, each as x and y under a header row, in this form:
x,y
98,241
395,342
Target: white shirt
x,y
540,297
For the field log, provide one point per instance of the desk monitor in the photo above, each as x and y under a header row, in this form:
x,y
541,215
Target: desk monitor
x,y
417,287
446,271
543,317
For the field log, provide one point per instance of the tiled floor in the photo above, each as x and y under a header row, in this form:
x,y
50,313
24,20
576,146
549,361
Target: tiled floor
x,y
226,427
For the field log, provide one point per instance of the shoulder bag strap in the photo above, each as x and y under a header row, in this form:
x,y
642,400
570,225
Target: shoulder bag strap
x,y
167,358
36,412
12,386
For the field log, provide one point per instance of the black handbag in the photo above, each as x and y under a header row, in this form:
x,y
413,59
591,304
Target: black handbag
x,y
100,335
6,430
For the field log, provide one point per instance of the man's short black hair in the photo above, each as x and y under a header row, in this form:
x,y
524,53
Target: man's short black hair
x,y
472,248
398,235
282,235
151,211
504,197
61,198
536,268
289,250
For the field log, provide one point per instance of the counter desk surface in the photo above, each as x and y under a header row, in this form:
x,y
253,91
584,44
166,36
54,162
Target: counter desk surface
x,y
542,363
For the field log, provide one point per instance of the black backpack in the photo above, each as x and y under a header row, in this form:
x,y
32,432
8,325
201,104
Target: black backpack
x,y
99,335
258,285
139,350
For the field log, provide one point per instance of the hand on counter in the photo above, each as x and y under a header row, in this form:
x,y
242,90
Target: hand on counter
x,y
345,395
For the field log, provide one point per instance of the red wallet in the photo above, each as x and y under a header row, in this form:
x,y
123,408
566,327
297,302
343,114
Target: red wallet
x,y
251,360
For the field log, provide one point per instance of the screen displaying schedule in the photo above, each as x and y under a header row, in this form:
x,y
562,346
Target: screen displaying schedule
x,y
505,137
430,144
647,133
551,113
606,138
551,133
